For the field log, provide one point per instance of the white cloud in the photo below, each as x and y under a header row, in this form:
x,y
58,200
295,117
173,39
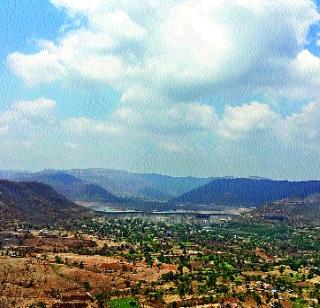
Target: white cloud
x,y
173,62
42,67
120,25
302,129
184,49
85,125
37,108
194,43
173,147
308,66
173,128
166,119
27,122
240,120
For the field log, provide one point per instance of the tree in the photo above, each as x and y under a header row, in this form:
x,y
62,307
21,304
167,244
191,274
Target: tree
x,y
281,269
58,260
102,298
212,278
182,289
256,296
87,286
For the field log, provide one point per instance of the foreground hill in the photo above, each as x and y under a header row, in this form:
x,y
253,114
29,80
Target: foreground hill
x,y
70,187
246,192
298,211
34,202
149,186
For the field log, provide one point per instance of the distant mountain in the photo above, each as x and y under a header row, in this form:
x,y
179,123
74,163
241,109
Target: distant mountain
x,y
34,202
145,186
70,186
246,192
293,210
146,190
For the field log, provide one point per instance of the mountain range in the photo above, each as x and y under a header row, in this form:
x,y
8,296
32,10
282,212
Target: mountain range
x,y
154,191
108,185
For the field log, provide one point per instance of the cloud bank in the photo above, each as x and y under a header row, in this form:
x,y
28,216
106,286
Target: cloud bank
x,y
194,76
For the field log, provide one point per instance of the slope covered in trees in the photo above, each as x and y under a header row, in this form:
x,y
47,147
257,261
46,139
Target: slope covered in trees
x,y
247,192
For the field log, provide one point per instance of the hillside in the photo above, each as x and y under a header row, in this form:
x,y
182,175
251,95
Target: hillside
x,y
70,187
34,202
293,210
246,192
149,186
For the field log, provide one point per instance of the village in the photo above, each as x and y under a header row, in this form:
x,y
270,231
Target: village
x,y
98,261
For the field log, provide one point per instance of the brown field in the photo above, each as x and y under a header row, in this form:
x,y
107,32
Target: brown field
x,y
37,276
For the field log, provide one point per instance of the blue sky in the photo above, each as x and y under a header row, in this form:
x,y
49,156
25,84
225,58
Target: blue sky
x,y
185,88
23,22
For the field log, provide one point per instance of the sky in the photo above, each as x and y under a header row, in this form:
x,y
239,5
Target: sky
x,y
178,87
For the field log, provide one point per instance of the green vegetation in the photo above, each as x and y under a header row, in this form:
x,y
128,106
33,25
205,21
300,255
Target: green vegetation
x,y
123,303
268,261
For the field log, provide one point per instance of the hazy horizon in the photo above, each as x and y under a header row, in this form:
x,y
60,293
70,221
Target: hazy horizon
x,y
159,173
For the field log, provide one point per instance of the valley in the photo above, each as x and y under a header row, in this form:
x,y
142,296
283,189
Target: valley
x,y
141,253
